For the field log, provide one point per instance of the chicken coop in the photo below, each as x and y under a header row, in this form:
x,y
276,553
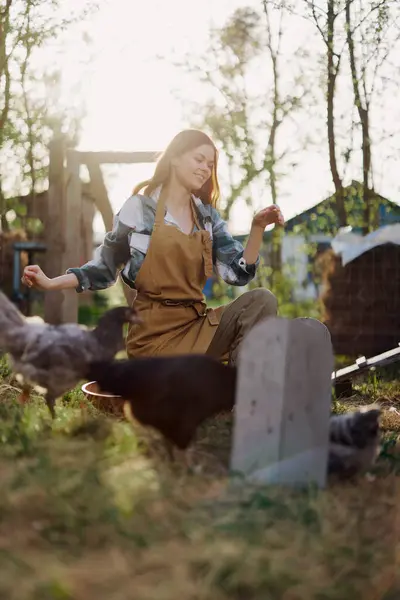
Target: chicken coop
x,y
361,300
19,249
8,239
66,211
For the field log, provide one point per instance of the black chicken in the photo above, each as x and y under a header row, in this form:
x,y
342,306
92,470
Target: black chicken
x,y
172,394
55,357
176,394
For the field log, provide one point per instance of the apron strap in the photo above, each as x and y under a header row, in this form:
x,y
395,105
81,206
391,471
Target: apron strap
x,y
194,214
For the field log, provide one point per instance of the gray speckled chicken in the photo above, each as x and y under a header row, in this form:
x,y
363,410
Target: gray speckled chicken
x,y
354,440
54,357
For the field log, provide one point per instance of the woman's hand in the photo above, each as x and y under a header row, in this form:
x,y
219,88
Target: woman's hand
x,y
33,276
268,216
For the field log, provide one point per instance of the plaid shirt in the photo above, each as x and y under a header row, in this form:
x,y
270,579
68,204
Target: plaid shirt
x,y
125,247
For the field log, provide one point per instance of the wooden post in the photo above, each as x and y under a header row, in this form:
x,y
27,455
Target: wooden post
x,y
64,214
87,216
54,227
71,232
99,192
283,403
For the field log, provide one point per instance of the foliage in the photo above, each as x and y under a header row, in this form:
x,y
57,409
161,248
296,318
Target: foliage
x,y
371,35
245,110
322,218
257,99
358,42
90,509
31,106
89,315
283,284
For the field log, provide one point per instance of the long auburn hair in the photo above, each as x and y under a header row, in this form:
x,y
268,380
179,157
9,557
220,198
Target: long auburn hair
x,y
185,141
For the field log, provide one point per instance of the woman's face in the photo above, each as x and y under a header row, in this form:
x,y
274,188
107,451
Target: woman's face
x,y
194,168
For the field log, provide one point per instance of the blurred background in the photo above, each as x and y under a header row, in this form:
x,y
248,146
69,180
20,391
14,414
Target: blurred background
x,y
300,97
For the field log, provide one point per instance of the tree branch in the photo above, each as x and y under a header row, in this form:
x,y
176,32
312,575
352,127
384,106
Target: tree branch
x,y
331,89
363,111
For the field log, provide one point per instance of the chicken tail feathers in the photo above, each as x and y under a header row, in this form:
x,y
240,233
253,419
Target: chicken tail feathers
x,y
128,412
10,316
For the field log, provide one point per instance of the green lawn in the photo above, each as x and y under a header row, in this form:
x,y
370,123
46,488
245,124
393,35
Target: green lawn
x,y
91,509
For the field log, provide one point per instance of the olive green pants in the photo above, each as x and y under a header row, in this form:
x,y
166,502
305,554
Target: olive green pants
x,y
237,319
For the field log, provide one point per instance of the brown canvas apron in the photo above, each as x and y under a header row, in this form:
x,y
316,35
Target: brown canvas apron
x,y
170,297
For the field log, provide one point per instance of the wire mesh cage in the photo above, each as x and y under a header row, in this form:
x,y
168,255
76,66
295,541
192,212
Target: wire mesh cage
x,y
361,301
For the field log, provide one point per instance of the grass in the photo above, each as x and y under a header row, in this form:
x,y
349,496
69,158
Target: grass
x,y
91,509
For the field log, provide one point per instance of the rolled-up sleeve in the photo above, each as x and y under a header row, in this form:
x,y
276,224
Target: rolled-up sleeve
x,y
228,255
102,272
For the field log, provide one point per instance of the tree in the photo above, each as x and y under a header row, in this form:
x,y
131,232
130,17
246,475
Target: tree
x,y
325,19
247,104
365,33
227,114
281,108
371,35
256,93
29,107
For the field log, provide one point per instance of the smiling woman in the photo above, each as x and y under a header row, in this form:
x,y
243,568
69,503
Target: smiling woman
x,y
167,238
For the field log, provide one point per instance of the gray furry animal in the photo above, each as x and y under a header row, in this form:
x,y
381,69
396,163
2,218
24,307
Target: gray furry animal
x,y
354,440
55,357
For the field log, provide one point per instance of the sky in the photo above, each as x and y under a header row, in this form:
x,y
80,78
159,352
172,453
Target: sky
x,y
132,95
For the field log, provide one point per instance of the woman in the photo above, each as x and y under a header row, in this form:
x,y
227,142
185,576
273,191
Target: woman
x,y
167,240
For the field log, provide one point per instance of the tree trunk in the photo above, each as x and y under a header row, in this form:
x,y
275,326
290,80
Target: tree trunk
x,y
270,155
3,204
99,191
331,87
363,112
30,158
6,93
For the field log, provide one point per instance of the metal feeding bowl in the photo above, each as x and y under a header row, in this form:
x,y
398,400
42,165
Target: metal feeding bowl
x,y
107,403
